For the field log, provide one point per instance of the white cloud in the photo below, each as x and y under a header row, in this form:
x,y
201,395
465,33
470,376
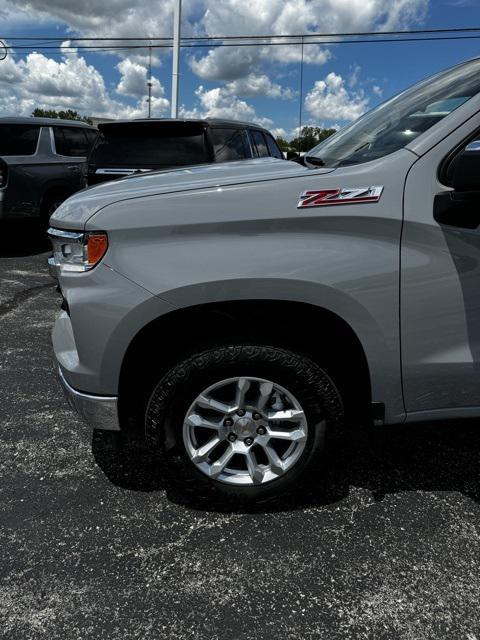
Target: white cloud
x,y
73,83
259,85
279,132
10,72
232,63
221,103
117,18
225,63
354,76
226,102
329,99
133,81
292,17
70,83
113,18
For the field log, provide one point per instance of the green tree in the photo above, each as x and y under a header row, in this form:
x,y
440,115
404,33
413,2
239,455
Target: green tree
x,y
309,138
69,114
283,144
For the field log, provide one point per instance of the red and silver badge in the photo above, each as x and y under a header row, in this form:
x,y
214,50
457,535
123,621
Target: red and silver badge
x,y
327,197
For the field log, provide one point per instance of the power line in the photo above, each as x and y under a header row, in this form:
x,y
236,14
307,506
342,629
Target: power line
x,y
45,44
107,48
258,37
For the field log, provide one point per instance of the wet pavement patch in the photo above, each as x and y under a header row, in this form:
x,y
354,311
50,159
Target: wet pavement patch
x,y
97,544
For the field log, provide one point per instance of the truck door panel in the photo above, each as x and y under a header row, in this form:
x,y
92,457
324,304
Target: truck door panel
x,y
440,289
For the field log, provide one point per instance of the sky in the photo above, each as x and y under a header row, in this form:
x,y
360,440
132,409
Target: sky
x,y
261,84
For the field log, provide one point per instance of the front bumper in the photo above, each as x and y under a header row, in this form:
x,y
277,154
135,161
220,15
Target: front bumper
x,y
100,412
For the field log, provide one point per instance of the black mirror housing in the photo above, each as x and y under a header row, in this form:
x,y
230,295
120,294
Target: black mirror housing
x,y
463,174
293,155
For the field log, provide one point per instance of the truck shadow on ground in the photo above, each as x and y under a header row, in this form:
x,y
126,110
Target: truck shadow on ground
x,y
20,239
430,457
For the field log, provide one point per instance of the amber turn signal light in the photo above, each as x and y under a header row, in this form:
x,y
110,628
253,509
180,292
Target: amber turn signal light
x,y
97,245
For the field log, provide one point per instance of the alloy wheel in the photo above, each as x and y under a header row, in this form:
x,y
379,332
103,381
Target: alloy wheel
x,y
245,431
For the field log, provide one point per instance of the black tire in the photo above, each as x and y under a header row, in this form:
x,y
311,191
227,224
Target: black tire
x,y
178,388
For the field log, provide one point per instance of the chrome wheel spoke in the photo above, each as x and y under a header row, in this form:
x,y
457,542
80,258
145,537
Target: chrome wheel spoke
x,y
243,385
194,420
276,464
290,415
296,435
265,392
219,465
256,474
206,402
204,451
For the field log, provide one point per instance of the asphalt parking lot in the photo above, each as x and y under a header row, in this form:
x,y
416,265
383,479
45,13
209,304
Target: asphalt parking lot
x,y
96,546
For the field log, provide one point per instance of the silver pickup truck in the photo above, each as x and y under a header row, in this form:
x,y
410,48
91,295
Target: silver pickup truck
x,y
237,314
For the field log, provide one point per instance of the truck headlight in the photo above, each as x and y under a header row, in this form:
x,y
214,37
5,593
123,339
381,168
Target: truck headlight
x,y
77,251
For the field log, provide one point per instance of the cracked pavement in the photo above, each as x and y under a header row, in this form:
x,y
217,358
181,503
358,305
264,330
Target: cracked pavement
x,y
99,546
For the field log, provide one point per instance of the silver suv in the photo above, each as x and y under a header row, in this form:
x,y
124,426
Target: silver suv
x,y
42,162
237,314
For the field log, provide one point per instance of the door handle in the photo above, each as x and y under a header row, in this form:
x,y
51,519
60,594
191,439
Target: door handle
x,y
75,168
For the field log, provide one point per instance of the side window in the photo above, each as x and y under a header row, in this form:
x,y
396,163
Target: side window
x,y
18,139
273,147
59,141
229,144
260,143
70,141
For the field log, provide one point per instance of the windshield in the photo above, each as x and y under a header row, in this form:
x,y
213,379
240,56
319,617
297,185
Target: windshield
x,y
396,122
150,145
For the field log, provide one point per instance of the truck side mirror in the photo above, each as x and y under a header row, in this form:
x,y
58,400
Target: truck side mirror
x,y
296,157
293,155
464,171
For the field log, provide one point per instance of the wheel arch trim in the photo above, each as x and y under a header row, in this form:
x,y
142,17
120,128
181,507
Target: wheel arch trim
x,y
382,358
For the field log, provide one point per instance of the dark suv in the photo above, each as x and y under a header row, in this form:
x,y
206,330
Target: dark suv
x,y
42,162
135,146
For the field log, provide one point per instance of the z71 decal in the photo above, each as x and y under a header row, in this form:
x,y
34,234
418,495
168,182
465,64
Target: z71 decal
x,y
327,197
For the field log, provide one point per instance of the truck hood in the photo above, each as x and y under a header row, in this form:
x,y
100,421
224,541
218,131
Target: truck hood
x,y
77,210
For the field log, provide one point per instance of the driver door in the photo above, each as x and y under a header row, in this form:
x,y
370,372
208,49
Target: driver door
x,y
440,283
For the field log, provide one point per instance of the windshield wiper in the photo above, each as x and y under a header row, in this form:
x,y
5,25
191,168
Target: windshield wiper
x,y
318,162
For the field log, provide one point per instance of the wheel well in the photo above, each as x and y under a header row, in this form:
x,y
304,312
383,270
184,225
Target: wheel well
x,y
315,332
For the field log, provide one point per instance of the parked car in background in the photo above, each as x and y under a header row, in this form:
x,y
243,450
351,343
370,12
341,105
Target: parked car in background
x,y
42,162
127,147
246,307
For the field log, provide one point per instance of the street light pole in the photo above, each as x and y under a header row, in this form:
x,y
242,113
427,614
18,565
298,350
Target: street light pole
x,y
176,56
149,82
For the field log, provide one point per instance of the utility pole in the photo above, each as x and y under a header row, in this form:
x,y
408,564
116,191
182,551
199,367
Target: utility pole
x,y
301,98
176,56
149,82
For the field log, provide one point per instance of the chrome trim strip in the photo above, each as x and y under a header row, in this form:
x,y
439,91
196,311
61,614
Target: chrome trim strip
x,y
52,142
100,412
68,235
115,172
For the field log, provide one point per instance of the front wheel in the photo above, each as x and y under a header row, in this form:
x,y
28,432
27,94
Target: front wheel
x,y
248,421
